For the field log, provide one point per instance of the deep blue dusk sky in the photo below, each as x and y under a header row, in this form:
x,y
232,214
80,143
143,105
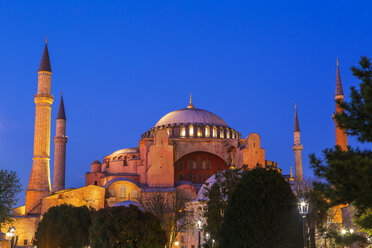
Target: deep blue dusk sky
x,y
122,65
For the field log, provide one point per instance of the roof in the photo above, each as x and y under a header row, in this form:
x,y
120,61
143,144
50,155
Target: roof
x,y
45,62
191,115
61,110
339,90
96,162
128,203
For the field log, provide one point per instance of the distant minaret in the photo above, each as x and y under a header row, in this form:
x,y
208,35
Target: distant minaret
x,y
341,136
60,149
39,183
297,148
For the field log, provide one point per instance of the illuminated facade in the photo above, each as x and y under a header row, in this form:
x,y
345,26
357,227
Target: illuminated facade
x,y
182,150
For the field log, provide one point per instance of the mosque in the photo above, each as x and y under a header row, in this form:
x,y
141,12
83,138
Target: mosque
x,y
183,149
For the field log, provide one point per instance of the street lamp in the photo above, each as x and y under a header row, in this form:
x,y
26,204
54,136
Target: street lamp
x,y
10,234
199,227
303,208
207,237
177,243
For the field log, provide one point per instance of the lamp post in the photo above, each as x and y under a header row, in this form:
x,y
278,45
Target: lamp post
x,y
207,237
10,234
303,208
199,227
177,243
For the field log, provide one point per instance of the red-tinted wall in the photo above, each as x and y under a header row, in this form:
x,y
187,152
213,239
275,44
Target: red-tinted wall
x,y
197,167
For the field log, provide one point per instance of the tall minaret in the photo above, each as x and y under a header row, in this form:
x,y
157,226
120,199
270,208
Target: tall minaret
x,y
60,149
297,148
39,183
341,136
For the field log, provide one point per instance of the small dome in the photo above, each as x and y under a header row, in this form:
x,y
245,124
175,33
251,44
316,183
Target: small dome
x,y
125,151
191,115
96,162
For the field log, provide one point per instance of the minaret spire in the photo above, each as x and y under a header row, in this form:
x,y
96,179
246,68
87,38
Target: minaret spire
x,y
341,136
45,62
60,141
297,148
39,182
339,90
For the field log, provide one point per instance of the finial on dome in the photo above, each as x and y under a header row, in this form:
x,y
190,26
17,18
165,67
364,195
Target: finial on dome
x,y
190,105
46,39
291,172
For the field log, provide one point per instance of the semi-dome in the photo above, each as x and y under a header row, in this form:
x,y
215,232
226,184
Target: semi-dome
x,y
191,115
125,151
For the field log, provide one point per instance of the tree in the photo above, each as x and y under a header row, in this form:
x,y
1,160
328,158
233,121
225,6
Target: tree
x,y
217,195
9,188
170,209
262,212
347,174
126,227
64,226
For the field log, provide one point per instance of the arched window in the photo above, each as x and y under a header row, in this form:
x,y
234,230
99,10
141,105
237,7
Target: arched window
x,y
183,131
191,130
180,165
214,132
200,178
233,134
95,182
134,194
207,131
190,177
180,177
199,133
168,131
222,135
123,191
227,134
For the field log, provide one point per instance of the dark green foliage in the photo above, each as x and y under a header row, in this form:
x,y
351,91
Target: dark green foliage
x,y
126,227
348,174
217,195
64,226
262,213
9,188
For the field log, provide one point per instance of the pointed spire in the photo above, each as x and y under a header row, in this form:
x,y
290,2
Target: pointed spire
x,y
190,105
339,91
296,125
45,62
61,110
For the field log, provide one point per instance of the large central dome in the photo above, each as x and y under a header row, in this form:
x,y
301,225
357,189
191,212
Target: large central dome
x,y
191,115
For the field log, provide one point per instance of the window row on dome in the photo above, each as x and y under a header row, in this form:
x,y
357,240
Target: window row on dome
x,y
197,131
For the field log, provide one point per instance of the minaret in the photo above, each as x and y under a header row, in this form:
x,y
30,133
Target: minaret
x,y
297,148
60,149
39,183
341,136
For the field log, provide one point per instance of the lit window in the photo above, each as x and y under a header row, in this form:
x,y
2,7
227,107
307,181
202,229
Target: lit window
x,y
183,131
233,134
123,191
227,134
191,130
168,131
199,132
207,131
214,132
222,136
134,194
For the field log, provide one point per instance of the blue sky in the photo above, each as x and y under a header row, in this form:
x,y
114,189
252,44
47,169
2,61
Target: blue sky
x,y
122,65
